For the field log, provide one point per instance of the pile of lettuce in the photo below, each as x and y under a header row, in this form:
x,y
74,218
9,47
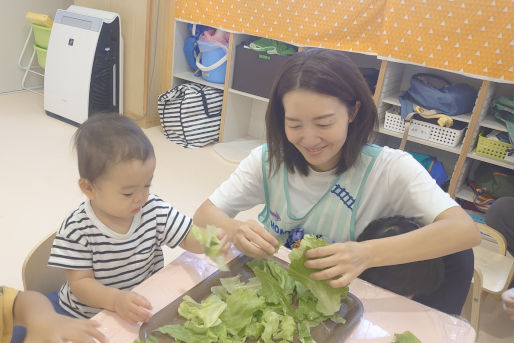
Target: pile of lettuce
x,y
274,306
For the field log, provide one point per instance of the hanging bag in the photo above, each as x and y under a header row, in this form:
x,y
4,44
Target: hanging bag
x,y
190,114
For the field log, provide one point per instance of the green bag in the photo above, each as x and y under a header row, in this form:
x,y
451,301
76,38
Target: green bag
x,y
497,181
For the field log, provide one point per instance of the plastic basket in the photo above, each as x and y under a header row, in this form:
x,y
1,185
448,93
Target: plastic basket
x,y
491,148
41,35
41,56
420,129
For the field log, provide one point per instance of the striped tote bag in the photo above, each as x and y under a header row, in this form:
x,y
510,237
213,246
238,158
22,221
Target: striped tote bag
x,y
190,114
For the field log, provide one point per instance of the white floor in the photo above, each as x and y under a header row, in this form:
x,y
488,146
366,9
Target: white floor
x,y
38,183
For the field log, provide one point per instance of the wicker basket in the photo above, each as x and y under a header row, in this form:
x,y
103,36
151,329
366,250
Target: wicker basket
x,y
420,129
491,148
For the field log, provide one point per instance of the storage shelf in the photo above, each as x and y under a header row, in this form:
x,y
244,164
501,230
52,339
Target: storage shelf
x,y
455,150
492,123
243,121
256,97
189,76
466,117
505,164
464,193
394,100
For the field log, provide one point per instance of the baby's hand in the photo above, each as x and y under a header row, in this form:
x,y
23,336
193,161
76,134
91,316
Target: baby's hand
x,y
132,306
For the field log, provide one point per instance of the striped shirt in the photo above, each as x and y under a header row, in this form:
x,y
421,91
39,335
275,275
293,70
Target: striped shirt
x,y
118,260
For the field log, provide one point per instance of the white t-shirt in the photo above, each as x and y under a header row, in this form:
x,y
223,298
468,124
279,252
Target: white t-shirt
x,y
396,185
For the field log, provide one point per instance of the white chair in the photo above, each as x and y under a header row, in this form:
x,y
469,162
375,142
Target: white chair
x,y
493,271
36,274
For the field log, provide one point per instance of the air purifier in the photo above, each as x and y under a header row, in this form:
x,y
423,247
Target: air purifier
x,y
84,65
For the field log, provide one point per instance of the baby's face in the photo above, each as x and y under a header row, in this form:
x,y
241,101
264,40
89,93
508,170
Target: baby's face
x,y
123,189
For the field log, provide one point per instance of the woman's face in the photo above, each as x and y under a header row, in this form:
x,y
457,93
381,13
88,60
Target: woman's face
x,y
316,124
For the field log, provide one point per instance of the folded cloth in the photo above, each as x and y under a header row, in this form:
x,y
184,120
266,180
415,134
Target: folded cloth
x,y
508,119
442,119
272,47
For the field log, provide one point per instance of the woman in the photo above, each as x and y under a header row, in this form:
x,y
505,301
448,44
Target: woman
x,y
317,174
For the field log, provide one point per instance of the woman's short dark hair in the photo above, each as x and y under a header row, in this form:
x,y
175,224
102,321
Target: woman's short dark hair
x,y
408,279
328,72
106,139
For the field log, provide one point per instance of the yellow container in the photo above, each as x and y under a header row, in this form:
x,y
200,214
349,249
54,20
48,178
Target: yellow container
x,y
41,56
491,148
39,19
41,35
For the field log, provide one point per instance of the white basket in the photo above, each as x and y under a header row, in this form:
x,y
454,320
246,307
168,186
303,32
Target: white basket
x,y
420,129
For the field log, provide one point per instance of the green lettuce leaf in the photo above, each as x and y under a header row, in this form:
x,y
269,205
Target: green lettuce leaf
x,y
405,337
149,339
271,321
271,288
206,314
183,334
209,239
287,329
233,283
329,299
241,305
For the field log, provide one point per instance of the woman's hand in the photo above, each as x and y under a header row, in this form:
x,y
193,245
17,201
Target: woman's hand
x,y
132,306
252,239
224,241
340,263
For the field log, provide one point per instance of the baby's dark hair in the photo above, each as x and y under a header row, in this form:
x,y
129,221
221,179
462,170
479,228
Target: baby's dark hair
x,y
106,139
409,279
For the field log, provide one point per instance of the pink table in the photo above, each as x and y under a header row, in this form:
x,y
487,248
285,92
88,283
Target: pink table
x,y
385,313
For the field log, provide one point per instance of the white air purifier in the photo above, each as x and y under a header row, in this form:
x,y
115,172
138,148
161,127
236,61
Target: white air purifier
x,y
84,65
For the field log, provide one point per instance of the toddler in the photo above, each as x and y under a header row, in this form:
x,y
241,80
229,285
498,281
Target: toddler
x,y
112,241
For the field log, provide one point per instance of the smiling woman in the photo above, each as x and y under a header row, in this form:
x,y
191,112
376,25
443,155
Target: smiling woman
x,y
318,174
319,138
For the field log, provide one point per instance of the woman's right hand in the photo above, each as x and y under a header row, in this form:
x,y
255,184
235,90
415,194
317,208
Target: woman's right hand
x,y
253,240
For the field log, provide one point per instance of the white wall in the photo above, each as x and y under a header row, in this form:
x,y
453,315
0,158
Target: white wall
x,y
13,32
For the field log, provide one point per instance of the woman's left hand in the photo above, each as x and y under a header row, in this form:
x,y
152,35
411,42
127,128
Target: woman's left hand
x,y
340,262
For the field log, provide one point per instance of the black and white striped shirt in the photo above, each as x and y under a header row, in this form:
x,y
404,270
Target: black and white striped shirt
x,y
118,260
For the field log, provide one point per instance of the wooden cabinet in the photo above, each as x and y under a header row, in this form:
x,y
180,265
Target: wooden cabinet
x,y
460,160
242,122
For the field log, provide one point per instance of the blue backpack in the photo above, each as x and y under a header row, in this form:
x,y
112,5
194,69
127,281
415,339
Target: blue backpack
x,y
191,49
434,92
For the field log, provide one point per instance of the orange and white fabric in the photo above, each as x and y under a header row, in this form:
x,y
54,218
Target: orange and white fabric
x,y
473,37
